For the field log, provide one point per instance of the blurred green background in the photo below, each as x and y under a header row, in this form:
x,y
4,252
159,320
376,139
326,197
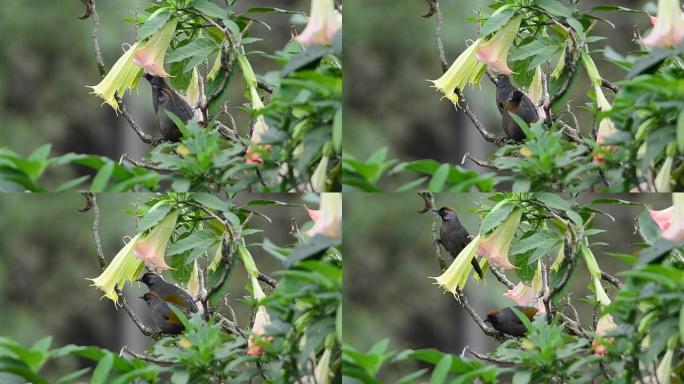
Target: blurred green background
x,y
47,252
391,52
47,60
389,259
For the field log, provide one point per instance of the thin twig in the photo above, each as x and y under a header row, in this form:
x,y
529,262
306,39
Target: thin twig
x,y
488,136
92,202
90,4
145,357
429,200
611,279
485,357
481,163
149,166
607,84
501,277
429,206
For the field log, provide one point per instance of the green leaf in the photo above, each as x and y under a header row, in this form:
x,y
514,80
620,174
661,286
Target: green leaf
x,y
553,201
439,179
71,184
102,370
497,21
496,216
309,58
209,9
73,376
201,47
180,377
681,324
522,377
441,371
154,23
211,201
154,216
102,178
311,248
337,131
198,240
680,132
555,8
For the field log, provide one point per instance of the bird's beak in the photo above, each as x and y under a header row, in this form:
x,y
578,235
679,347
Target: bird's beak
x,y
148,76
435,210
143,298
140,281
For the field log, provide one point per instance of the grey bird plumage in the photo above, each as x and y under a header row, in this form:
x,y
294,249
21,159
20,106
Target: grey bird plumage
x,y
454,237
166,99
506,321
169,292
510,99
163,316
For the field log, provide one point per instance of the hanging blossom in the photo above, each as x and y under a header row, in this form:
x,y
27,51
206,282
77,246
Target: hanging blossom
x,y
456,276
671,220
529,296
606,126
123,76
262,319
465,70
497,244
124,267
536,92
605,322
253,155
323,24
328,219
150,55
494,52
152,248
668,27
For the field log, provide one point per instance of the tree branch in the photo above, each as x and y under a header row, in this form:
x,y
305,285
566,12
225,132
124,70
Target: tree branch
x,y
488,136
429,200
90,8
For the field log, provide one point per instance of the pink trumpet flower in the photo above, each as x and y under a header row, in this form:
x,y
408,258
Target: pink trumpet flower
x,y
151,248
494,52
496,245
150,55
671,220
323,24
668,29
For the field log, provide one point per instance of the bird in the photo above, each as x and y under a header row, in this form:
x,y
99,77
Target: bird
x,y
510,99
163,316
169,292
454,237
166,99
506,321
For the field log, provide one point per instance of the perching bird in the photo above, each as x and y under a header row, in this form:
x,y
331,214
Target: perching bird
x,y
166,99
506,321
163,316
513,100
453,236
168,292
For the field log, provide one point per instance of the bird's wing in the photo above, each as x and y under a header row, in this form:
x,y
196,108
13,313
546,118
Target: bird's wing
x,y
183,301
185,112
172,318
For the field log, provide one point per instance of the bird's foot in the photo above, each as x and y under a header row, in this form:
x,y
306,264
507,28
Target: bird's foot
x,y
157,140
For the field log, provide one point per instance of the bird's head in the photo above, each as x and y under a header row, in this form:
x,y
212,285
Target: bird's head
x,y
446,213
156,81
502,80
491,317
515,97
148,297
150,278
